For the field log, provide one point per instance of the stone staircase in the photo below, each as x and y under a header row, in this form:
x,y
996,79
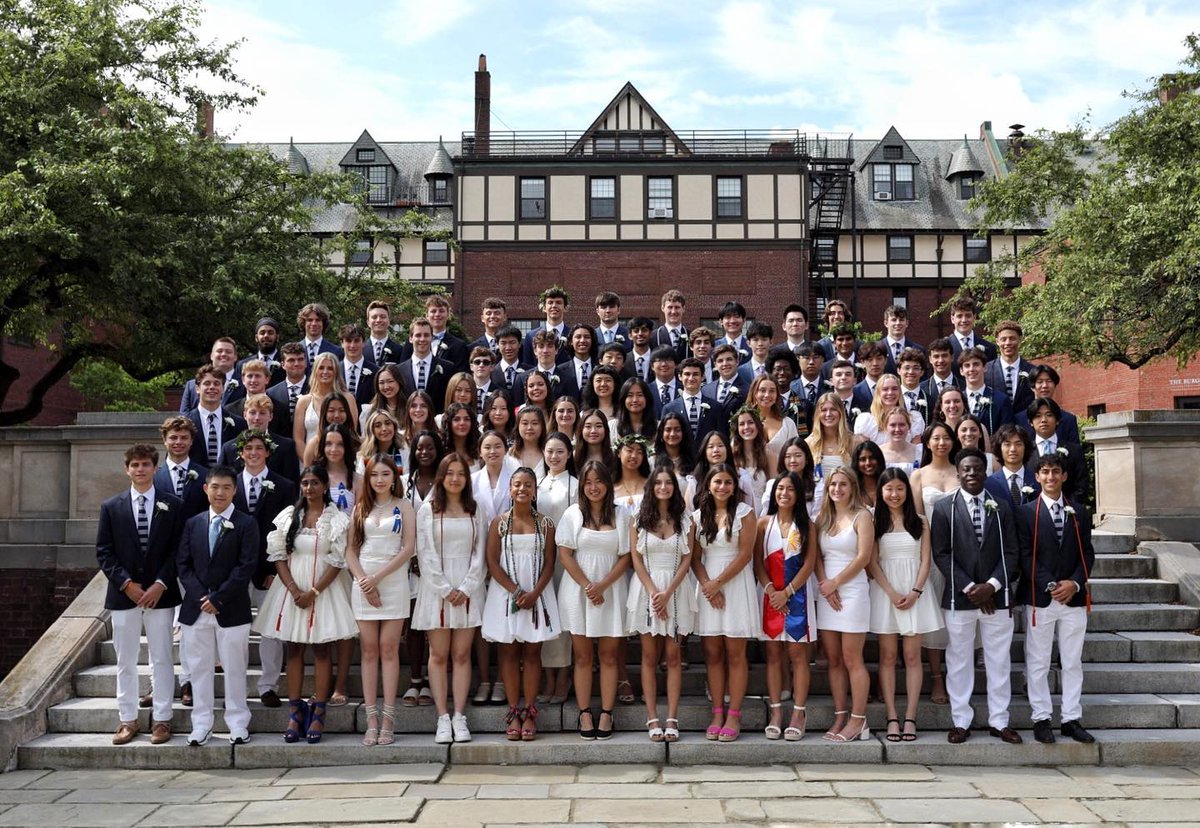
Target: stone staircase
x,y
1141,686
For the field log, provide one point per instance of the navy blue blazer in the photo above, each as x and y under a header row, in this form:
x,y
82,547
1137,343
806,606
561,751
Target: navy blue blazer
x,y
997,484
713,389
191,396
270,503
891,356
631,366
996,412
450,349
232,426
622,334
281,415
1071,559
326,347
194,499
283,462
676,389
741,344
564,347
568,381
1074,464
391,351
435,384
274,366
989,348
225,575
962,560
713,418
365,392
517,389
119,551
661,336
993,375
1067,431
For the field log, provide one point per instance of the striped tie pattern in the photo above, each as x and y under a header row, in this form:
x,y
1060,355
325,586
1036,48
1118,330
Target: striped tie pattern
x,y
641,367
379,353
180,480
1057,513
214,442
293,396
421,376
694,415
583,375
252,495
724,392
1015,488
977,518
352,385
143,522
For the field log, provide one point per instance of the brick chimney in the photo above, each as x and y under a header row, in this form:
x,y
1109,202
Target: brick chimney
x,y
204,119
483,107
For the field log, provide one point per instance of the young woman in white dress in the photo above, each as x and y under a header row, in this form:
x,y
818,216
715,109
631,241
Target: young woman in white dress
x,y
629,486
594,440
776,428
712,451
324,378
972,433
797,458
727,615
451,534
662,597
831,440
564,416
460,433
336,449
593,545
749,447
557,491
899,451
308,547
872,425
531,439
868,463
520,611
936,478
498,415
425,455
845,538
334,410
382,541
784,559
381,435
902,606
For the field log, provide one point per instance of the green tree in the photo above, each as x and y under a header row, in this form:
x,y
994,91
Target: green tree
x,y
125,234
1121,255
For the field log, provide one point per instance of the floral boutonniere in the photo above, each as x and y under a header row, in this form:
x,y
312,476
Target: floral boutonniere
x,y
618,338
984,401
1023,375
990,505
229,421
366,372
387,351
555,379
922,402
827,383
191,474
854,412
705,406
441,346
268,485
162,507
1027,490
743,352
232,384
1068,510
980,348
733,391
1062,451
438,370
227,526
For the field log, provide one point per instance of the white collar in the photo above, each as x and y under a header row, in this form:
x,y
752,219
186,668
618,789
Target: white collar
x,y
1050,504
149,493
225,514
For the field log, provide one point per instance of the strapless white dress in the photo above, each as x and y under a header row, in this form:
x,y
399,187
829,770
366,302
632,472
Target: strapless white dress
x,y
936,583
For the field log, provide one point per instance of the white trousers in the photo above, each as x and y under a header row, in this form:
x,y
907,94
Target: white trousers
x,y
1070,623
206,640
270,651
185,675
127,632
997,632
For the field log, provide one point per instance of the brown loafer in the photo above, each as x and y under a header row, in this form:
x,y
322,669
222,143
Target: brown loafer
x,y
185,694
958,735
125,733
1007,735
160,733
146,701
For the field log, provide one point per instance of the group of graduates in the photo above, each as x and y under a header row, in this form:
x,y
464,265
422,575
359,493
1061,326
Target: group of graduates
x,y
543,497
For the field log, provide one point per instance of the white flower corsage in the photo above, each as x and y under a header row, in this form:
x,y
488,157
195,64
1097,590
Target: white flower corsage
x,y
227,525
1027,490
232,384
827,383
1062,451
366,372
984,401
743,352
618,338
229,421
733,391
854,412
990,505
191,475
442,345
1068,510
162,507
923,403
705,406
1023,375
438,370
268,485
980,348
554,378
387,351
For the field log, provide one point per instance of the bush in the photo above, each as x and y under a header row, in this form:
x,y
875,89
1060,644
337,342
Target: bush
x,y
106,386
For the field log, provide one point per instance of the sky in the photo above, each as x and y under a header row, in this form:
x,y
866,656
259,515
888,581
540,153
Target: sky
x,y
404,69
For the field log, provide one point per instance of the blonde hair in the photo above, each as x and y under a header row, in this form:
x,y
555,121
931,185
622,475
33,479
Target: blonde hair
x,y
339,384
259,401
828,513
877,410
452,386
369,445
845,437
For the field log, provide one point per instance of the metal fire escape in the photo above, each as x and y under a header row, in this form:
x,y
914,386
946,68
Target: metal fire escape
x,y
831,179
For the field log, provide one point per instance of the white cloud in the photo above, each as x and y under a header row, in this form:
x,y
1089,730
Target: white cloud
x,y
414,21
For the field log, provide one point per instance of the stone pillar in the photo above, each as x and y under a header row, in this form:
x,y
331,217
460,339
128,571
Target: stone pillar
x,y
1148,473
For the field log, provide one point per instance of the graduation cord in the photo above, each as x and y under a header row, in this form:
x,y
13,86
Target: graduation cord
x,y
1087,587
510,566
442,561
953,591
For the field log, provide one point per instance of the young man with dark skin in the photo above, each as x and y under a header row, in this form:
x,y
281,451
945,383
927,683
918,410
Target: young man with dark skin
x,y
553,303
963,314
610,329
1057,557
783,367
1044,416
494,316
1010,370
380,345
975,545
672,331
638,360
703,413
266,337
287,392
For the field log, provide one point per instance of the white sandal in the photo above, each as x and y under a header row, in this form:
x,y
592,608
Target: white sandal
x,y
656,732
773,732
671,734
795,734
409,699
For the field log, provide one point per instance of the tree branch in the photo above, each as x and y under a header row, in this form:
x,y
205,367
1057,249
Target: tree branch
x,y
37,393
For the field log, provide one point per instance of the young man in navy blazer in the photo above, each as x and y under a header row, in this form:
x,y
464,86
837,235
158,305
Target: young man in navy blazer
x,y
223,357
672,331
380,347
444,345
553,303
1044,381
357,367
963,315
214,425
217,558
313,321
1044,416
494,316
610,329
1010,370
991,405
266,337
1012,481
178,474
895,321
423,370
701,412
136,539
284,460
574,374
1056,560
286,393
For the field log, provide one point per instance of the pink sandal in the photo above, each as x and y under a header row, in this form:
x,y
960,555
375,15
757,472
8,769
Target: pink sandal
x,y
728,734
714,732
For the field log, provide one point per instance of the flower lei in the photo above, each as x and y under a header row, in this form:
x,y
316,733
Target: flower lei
x,y
253,434
745,409
635,439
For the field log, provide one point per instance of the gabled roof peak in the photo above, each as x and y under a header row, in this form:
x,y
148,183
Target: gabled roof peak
x,y
365,141
629,111
891,149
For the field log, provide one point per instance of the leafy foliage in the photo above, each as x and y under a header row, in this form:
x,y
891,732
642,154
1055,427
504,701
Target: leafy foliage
x,y
1121,257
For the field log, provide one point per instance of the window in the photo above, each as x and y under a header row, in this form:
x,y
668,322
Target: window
x,y
364,156
437,252
441,191
900,297
966,186
893,153
1181,403
896,180
630,142
977,250
729,197
533,198
1096,410
604,143
362,252
378,182
900,248
655,143
603,202
660,197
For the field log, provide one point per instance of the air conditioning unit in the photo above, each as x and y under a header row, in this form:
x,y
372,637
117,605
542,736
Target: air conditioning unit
x,y
883,196
662,213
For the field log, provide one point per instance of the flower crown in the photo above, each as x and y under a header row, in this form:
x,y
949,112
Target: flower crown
x,y
254,434
745,409
634,439
557,289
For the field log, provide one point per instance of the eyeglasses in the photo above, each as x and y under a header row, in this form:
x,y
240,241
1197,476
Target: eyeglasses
x,y
481,362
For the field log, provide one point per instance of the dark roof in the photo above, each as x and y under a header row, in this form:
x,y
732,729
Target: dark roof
x,y
891,139
441,163
365,141
963,162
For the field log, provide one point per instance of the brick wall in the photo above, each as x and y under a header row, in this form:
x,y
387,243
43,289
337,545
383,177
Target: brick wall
x,y
30,601
1155,385
61,401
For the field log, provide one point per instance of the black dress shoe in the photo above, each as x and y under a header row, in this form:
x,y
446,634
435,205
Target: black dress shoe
x,y
958,735
185,694
1074,730
270,699
1007,735
146,700
1043,732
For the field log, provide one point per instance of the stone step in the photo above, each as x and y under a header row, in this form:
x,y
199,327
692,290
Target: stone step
x,y
1113,543
1124,565
1162,646
1141,678
1113,747
1133,591
1143,617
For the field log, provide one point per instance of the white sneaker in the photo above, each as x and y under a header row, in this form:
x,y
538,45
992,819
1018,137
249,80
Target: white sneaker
x,y
198,737
443,736
462,733
498,696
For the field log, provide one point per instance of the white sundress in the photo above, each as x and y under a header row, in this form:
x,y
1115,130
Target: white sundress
x,y
661,557
521,558
451,554
741,617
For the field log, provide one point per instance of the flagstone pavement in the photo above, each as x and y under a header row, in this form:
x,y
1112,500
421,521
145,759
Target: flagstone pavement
x,y
495,795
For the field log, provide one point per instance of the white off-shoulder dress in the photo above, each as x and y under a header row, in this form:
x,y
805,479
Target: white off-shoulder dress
x,y
451,555
329,617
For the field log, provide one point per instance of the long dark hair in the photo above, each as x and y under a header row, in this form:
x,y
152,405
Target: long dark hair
x,y
700,470
350,446
707,504
810,475
643,467
955,445
489,402
414,468
687,450
379,402
566,441
647,516
607,455
649,422
799,513
471,442
590,398
344,399
607,509
438,501
368,501
872,448
883,517
301,507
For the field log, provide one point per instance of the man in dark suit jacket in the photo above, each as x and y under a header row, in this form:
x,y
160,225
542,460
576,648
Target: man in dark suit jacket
x,y
895,321
494,316
990,405
222,357
1056,560
136,538
702,413
357,367
178,474
965,337
672,331
975,546
1012,482
1044,415
380,347
1010,371
284,461
424,371
444,345
553,303
574,373
287,393
1045,380
313,320
214,426
728,387
266,337
610,329
217,558
664,385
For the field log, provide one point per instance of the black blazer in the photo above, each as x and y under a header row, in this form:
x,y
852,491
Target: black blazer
x,y
891,357
451,349
326,347
232,426
270,503
712,418
989,348
283,462
365,392
224,577
662,336
962,560
281,415
391,351
1071,559
622,333
564,347
435,384
234,391
275,372
194,500
568,382
119,551
993,375
1074,464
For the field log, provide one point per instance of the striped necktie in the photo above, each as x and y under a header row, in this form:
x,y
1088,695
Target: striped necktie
x,y
694,415
352,385
214,442
252,495
180,480
421,376
1015,488
293,396
977,518
143,522
1057,512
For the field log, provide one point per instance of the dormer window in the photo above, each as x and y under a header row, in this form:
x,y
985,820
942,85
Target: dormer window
x,y
441,191
893,153
967,185
892,182
364,156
